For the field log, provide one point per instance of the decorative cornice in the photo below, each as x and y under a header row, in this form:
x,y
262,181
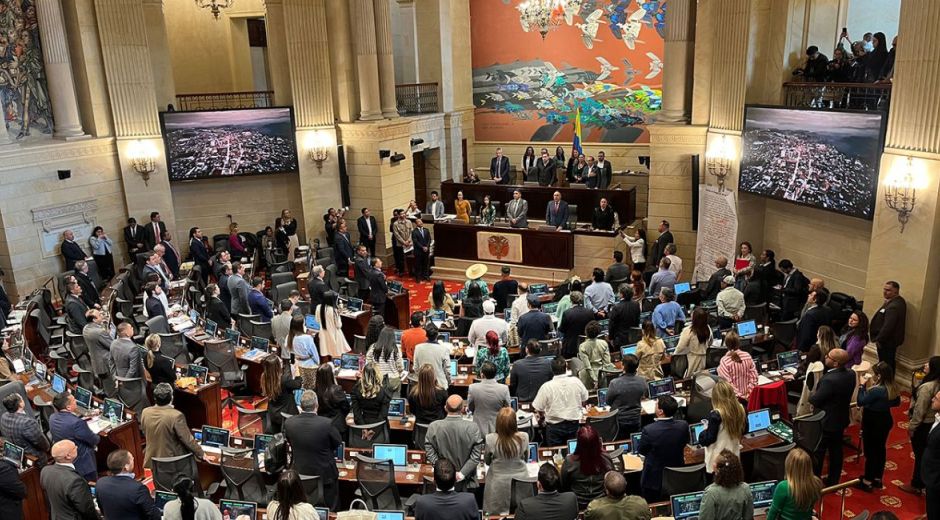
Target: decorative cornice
x,y
376,131
55,152
45,214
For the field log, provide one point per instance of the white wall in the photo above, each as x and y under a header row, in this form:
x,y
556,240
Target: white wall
x,y
873,16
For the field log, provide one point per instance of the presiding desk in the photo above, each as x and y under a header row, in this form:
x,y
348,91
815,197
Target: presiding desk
x,y
550,249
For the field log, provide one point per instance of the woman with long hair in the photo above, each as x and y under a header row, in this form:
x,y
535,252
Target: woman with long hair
x,y
472,305
855,337
279,388
161,368
729,497
583,471
922,419
375,327
724,425
487,212
387,357
737,367
795,497
370,397
332,341
560,157
235,244
462,208
101,248
649,352
575,165
505,453
188,506
637,246
306,356
825,342
528,162
290,500
495,354
216,309
289,226
877,395
744,265
439,300
875,60
426,397
332,398
694,341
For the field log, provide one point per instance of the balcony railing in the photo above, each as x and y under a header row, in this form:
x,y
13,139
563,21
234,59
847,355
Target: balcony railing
x,y
859,96
223,100
417,98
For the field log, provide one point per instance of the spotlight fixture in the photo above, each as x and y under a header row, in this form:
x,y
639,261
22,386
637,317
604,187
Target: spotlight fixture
x,y
385,154
416,142
398,157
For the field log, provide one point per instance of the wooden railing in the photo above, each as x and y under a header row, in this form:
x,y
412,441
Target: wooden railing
x,y
860,96
417,98
222,100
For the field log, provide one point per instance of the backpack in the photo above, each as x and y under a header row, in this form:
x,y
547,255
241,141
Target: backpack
x,y
275,454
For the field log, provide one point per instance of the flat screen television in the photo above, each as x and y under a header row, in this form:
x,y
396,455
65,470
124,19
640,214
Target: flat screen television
x,y
227,143
826,159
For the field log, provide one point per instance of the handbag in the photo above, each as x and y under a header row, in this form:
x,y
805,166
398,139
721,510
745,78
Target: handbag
x,y
356,514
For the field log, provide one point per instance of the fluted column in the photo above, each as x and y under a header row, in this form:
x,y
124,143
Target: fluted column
x,y
386,58
679,39
160,60
309,61
367,64
277,52
55,57
729,65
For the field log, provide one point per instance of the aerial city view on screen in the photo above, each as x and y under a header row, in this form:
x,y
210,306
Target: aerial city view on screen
x,y
818,158
231,142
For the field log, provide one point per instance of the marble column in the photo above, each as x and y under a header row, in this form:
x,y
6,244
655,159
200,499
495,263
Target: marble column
x,y
277,52
343,60
362,18
386,59
58,67
160,60
729,64
679,40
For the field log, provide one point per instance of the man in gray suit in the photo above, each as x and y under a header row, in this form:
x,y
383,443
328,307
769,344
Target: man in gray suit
x,y
67,492
486,398
238,288
280,327
516,211
125,358
456,440
549,504
98,337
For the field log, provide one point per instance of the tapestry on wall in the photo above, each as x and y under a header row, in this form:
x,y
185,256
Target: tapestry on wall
x,y
23,92
603,57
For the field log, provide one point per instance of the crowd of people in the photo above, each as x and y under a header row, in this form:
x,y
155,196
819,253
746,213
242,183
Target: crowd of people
x,y
863,61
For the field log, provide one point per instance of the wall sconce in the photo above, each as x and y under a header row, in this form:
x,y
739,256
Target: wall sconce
x,y
719,160
143,156
901,191
318,148
398,157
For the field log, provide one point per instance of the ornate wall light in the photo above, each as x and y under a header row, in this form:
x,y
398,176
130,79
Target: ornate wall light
x,y
719,159
317,145
901,190
215,6
143,156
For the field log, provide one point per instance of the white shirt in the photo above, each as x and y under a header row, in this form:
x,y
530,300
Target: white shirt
x,y
480,326
730,302
675,265
936,421
519,307
560,399
637,249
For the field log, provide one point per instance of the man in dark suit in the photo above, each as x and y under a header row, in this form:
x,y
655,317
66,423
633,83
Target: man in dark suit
x,y
67,491
713,287
342,250
833,395
316,286
548,504
64,425
361,267
445,503
659,246
662,444
154,265
134,238
606,171
421,238
816,316
198,252
545,169
378,289
604,216
313,439
368,230
170,255
499,168
795,290
528,374
556,212
71,251
153,233
888,323
224,293
75,309
12,491
573,322
218,260
930,465
257,302
624,315
592,175
89,292
152,302
121,495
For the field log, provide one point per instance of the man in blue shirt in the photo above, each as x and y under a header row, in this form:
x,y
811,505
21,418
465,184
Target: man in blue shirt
x,y
534,324
662,278
667,313
599,294
257,302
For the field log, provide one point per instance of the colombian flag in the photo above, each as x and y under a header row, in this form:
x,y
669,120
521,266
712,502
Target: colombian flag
x,y
577,131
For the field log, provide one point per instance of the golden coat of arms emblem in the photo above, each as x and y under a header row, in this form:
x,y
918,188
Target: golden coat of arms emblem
x,y
498,246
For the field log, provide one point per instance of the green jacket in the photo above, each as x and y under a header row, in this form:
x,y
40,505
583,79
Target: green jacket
x,y
629,507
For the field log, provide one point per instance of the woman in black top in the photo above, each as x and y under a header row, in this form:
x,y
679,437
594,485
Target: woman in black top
x,y
216,310
370,397
161,368
279,388
472,305
333,403
426,399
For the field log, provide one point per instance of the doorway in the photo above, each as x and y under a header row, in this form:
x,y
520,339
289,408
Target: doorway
x,y
421,180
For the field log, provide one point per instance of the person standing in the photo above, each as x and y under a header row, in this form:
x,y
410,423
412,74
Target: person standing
x,y
313,440
458,441
528,374
486,398
238,288
378,288
710,292
573,323
604,216
545,169
624,316
165,428
506,452
922,420
332,341
662,445
342,249
556,212
435,208
624,395
64,425
637,245
499,168
198,253
737,367
134,238
725,425
258,304
153,233
290,501
795,290
367,230
421,238
517,211
71,251
591,174
659,246
559,402
605,169
888,323
289,228
833,395
504,288
930,464
101,248
877,395
121,495
402,231
67,491
462,208
616,504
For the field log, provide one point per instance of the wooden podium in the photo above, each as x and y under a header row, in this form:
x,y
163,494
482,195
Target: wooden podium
x,y
398,311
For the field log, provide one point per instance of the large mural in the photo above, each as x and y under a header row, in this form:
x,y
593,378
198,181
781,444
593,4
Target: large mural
x,y
602,58
23,93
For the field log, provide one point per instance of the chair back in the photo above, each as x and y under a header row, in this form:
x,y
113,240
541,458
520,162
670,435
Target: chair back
x,y
324,252
132,391
572,216
463,326
807,431
281,278
158,325
418,435
679,365
313,488
282,290
606,425
550,347
173,345
519,490
605,376
784,332
325,262
220,358
686,479
331,277
365,435
45,411
756,312
167,469
243,480
219,242
769,463
377,483
713,356
698,408
244,322
252,422
359,344
262,329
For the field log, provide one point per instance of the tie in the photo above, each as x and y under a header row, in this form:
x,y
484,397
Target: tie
x,y
556,207
156,232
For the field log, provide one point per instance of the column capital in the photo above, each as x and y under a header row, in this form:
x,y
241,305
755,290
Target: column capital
x,y
680,19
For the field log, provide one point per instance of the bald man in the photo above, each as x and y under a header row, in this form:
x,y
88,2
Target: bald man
x,y
834,396
67,492
456,440
616,503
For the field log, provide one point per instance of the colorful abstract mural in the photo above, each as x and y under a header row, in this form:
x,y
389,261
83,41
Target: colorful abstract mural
x,y
23,92
602,56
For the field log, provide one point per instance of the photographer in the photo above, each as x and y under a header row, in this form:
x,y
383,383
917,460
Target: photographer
x,y
815,67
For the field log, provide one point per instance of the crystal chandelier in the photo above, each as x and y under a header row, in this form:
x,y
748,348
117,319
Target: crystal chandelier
x,y
215,6
543,15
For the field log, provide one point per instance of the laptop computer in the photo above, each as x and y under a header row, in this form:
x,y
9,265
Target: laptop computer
x,y
763,495
354,304
538,288
396,408
112,410
695,430
627,350
261,344
83,399
13,453
234,509
437,315
572,446
349,362
311,323
193,315
533,452
635,442
662,387
160,499
398,334
453,368
323,513
58,383
550,307
39,374
211,328
261,442
201,373
746,329
397,453
757,422
394,286
686,506
514,403
602,397
233,335
215,437
443,337
681,288
605,326
671,343
389,515
788,359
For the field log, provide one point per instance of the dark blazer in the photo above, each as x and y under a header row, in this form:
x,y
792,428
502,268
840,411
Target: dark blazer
x,y
624,316
711,290
155,307
834,395
364,231
258,304
573,322
421,237
930,462
313,439
12,491
548,506
342,253
218,312
72,253
545,172
606,174
361,268
447,505
124,497
66,425
528,375
809,325
199,255
75,310
68,494
663,445
132,238
603,219
163,370
149,239
172,258
556,218
378,289
887,324
795,291
161,279
89,292
659,246
500,170
316,288
592,182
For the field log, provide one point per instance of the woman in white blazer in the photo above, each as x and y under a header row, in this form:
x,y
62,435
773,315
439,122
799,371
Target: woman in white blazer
x,y
331,339
637,245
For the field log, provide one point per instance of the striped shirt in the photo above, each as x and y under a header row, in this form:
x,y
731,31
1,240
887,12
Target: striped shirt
x,y
742,375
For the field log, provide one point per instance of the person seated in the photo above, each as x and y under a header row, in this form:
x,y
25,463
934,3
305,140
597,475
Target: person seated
x,y
728,497
21,429
440,300
662,445
446,503
549,503
583,471
616,504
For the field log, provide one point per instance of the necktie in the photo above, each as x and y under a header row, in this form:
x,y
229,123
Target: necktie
x,y
156,232
556,207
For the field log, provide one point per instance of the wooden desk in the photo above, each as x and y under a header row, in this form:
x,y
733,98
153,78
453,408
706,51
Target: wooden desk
x,y
550,249
34,505
356,325
397,311
201,405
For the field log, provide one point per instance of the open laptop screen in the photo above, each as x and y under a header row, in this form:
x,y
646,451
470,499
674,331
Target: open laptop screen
x,y
394,452
82,397
758,420
746,328
686,505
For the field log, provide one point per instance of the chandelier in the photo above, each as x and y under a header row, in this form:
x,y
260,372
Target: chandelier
x,y
215,6
543,15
